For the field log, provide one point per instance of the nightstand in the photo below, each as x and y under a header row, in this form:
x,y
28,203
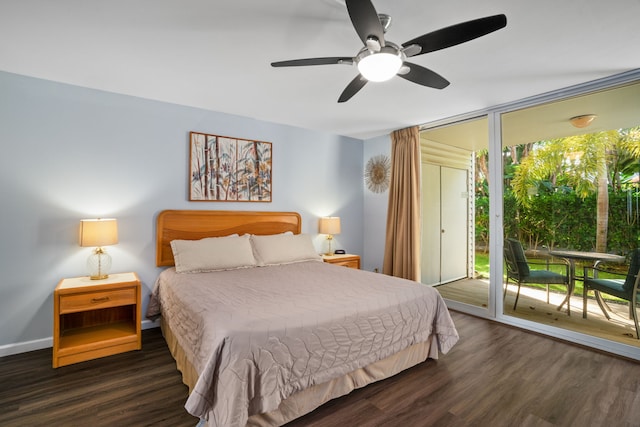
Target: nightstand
x,y
347,260
96,318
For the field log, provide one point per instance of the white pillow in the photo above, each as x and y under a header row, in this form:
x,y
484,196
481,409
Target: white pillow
x,y
283,249
212,254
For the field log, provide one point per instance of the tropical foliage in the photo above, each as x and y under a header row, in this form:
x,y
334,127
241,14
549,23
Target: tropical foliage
x,y
579,192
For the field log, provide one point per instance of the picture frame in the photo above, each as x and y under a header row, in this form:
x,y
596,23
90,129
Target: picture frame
x,y
228,169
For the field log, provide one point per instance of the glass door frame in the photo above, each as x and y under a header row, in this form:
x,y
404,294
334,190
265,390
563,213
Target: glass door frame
x,y
496,230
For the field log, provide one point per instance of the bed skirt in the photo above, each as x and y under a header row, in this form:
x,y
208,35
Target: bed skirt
x,y
307,400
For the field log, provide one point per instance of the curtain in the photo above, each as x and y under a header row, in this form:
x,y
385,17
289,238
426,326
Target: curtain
x,y
402,245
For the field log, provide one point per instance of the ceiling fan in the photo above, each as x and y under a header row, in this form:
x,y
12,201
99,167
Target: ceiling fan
x,y
380,60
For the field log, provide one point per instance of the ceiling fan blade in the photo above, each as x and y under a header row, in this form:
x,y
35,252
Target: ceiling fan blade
x,y
352,88
424,76
456,34
314,61
365,20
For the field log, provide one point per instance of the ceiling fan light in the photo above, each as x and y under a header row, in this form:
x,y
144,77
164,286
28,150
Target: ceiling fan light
x,y
379,67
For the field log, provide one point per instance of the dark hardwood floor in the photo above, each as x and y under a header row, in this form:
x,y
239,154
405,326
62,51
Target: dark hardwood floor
x,y
495,376
139,388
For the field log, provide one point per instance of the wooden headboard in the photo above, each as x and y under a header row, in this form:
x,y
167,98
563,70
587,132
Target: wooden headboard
x,y
195,225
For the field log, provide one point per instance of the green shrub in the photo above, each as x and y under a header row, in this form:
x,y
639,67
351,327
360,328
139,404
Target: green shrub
x,y
563,220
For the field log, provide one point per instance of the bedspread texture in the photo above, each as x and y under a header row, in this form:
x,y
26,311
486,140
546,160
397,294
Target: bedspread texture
x,y
257,335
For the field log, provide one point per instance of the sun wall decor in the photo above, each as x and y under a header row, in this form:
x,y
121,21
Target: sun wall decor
x,y
377,173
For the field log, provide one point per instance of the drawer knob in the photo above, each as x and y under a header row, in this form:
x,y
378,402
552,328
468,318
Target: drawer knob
x,y
101,299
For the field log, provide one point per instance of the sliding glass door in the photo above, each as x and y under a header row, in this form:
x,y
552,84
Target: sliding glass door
x,y
454,249
571,169
551,183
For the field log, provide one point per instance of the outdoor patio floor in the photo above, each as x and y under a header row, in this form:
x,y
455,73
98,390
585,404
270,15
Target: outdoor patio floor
x,y
533,306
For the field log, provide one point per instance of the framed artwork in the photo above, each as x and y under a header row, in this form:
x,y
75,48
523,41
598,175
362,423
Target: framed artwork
x,y
226,169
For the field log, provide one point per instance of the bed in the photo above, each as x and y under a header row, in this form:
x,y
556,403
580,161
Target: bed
x,y
264,337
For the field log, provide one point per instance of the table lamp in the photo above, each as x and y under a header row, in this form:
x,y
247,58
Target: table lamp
x,y
98,233
330,225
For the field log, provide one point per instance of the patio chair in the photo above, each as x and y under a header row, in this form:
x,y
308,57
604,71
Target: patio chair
x,y
518,270
625,288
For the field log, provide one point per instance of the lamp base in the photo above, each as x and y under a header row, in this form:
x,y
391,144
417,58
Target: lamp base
x,y
99,264
329,239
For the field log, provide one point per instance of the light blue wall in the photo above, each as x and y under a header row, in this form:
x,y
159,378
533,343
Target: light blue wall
x,y
70,153
375,209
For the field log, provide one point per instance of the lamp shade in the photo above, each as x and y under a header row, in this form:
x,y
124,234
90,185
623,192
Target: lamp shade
x,y
330,225
98,232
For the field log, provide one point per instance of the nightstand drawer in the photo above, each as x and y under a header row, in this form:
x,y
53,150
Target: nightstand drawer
x,y
353,263
96,300
345,260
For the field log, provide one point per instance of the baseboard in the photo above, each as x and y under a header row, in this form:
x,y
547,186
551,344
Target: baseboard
x,y
150,324
26,346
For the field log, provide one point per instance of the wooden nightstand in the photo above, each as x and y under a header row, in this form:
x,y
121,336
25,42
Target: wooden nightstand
x,y
96,318
347,260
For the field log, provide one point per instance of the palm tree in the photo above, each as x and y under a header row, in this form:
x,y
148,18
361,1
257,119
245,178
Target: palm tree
x,y
582,163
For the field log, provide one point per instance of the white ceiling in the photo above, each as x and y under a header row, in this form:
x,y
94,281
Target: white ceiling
x,y
216,54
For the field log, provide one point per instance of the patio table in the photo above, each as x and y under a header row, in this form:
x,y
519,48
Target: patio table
x,y
572,256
